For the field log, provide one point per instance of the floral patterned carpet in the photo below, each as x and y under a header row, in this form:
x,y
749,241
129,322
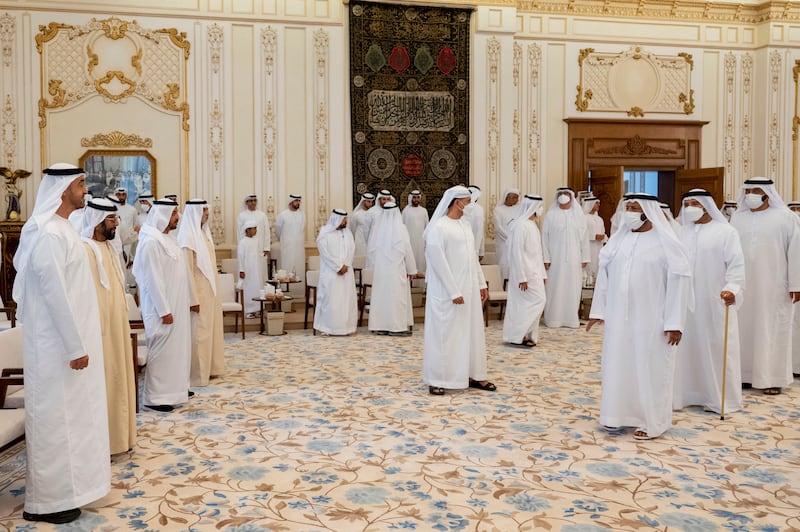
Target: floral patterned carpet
x,y
309,433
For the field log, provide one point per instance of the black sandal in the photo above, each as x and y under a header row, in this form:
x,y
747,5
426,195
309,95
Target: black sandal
x,y
488,387
436,390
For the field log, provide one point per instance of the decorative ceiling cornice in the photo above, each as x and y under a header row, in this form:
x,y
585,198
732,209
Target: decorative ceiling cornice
x,y
671,10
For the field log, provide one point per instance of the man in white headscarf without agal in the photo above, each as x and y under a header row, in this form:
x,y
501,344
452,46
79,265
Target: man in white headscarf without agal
x,y
336,309
642,293
476,217
455,344
165,300
505,211
99,227
566,252
415,217
526,277
770,236
390,310
357,220
251,214
208,341
595,233
65,393
718,278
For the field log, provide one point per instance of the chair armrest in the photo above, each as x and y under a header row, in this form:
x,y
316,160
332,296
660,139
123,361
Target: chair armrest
x,y
136,324
7,372
5,382
240,297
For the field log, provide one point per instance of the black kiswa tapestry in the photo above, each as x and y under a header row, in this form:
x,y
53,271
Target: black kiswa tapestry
x,y
409,75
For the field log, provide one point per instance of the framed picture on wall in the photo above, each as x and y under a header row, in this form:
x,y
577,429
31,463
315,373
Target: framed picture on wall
x,y
107,170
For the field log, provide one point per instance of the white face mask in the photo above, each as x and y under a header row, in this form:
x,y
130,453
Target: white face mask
x,y
563,199
729,211
753,201
692,213
539,211
634,220
145,207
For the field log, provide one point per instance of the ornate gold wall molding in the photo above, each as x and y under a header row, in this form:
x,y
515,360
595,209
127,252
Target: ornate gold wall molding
x,y
796,130
634,81
8,132
107,58
117,139
8,30
671,10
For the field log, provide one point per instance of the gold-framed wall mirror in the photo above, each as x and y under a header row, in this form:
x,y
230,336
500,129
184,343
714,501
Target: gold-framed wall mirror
x,y
106,170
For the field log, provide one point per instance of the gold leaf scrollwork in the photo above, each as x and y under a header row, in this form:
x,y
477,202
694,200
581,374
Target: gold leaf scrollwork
x,y
93,59
136,62
115,74
688,102
48,33
171,103
636,111
688,58
59,100
116,139
178,39
582,99
114,28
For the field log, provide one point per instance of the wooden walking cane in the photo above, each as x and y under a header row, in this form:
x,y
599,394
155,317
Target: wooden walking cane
x,y
724,362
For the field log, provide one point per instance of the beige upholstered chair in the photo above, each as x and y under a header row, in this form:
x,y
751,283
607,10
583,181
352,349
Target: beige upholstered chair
x,y
312,281
497,292
364,295
313,262
232,299
229,266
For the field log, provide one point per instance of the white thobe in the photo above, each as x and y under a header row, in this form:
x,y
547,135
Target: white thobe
x,y
390,306
262,233
208,341
66,418
771,245
416,220
503,216
477,219
526,265
356,223
163,279
455,344
639,300
565,247
290,229
336,310
796,340
594,226
366,226
717,264
128,219
249,254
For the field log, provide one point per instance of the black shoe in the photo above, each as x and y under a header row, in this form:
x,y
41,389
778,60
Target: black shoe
x,y
161,408
191,393
746,386
57,518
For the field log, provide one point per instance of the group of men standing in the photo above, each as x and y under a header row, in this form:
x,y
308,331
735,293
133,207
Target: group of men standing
x,y
79,371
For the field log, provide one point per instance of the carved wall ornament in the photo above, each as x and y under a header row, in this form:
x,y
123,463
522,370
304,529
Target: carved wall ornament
x,y
517,63
636,146
730,71
321,137
215,136
634,81
217,222
534,62
8,132
747,72
8,28
796,118
515,125
493,139
321,47
215,40
109,58
493,55
269,38
270,135
116,139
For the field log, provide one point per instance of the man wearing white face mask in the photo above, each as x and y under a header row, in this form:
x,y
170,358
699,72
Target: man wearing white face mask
x,y
718,278
566,252
770,236
728,208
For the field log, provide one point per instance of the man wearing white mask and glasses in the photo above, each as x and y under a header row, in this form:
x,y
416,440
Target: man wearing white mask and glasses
x,y
718,277
770,236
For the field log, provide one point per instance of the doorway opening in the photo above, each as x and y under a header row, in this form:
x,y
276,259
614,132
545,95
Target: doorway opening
x,y
656,182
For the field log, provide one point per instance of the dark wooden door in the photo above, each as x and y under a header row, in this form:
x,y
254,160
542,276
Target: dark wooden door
x,y
710,179
608,185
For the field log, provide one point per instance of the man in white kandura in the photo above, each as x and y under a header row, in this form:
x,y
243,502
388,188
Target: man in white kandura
x,y
477,219
336,310
526,277
390,311
566,253
164,297
718,278
770,236
794,206
290,228
99,227
595,232
65,393
249,258
728,208
415,216
128,223
208,341
641,294
384,197
670,218
251,213
357,220
455,344
504,212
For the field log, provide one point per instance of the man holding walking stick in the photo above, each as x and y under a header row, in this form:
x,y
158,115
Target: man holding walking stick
x,y
718,277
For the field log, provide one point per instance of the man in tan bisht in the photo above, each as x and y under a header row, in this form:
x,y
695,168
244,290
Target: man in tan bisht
x,y
194,236
99,227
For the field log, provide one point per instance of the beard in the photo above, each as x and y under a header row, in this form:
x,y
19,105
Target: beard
x,y
109,232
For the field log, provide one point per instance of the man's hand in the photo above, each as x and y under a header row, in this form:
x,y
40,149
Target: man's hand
x,y
484,295
728,297
343,270
194,308
523,286
599,237
546,265
167,319
241,275
795,296
79,363
458,301
411,277
592,323
673,337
